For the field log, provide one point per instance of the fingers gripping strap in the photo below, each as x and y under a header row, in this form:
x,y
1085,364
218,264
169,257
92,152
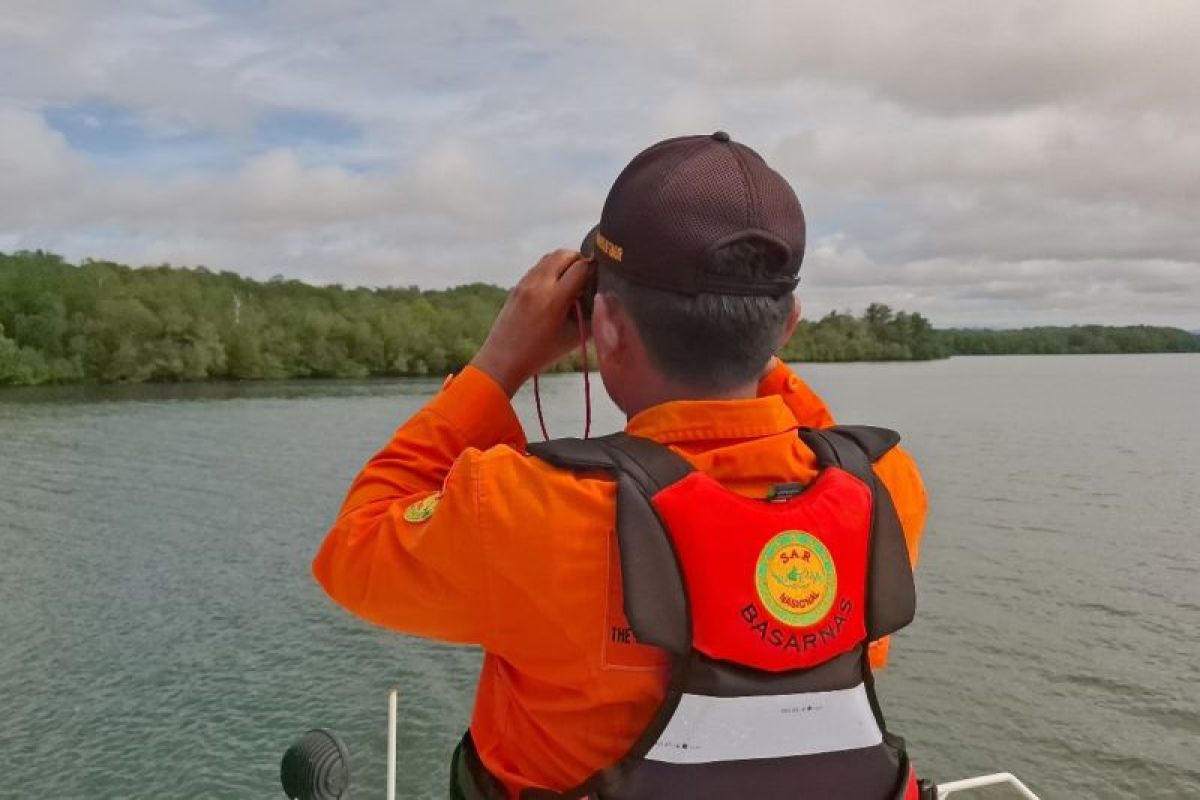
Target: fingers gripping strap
x,y
652,585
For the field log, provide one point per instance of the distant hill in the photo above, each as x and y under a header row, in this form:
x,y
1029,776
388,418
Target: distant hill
x,y
101,322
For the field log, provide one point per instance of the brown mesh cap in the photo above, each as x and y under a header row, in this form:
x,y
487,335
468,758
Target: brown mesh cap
x,y
680,200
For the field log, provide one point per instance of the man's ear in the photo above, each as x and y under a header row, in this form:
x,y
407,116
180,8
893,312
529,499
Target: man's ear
x,y
793,320
608,332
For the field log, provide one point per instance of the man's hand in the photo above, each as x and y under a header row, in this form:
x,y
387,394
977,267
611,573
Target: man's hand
x,y
533,329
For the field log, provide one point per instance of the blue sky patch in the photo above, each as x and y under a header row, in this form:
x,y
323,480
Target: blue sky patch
x,y
98,128
291,127
110,134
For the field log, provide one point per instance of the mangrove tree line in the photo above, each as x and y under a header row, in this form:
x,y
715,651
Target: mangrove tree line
x,y
104,322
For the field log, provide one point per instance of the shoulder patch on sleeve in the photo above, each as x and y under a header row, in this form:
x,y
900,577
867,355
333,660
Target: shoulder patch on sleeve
x,y
422,509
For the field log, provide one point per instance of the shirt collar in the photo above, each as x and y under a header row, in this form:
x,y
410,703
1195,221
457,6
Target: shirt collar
x,y
698,420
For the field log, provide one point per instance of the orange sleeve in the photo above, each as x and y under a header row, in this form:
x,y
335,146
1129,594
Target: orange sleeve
x,y
807,406
899,474
408,566
896,469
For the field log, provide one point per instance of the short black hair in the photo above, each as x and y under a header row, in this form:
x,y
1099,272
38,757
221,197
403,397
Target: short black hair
x,y
708,341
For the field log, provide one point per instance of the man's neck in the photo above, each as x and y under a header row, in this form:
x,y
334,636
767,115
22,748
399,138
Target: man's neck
x,y
670,392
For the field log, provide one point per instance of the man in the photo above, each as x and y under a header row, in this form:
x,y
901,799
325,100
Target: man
x,y
455,532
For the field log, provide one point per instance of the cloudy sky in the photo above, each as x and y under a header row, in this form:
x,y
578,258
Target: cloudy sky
x,y
997,163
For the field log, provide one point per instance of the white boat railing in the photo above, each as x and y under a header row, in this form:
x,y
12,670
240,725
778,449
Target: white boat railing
x,y
995,779
393,697
944,789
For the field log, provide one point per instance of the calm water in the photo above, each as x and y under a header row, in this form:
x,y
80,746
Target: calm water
x,y
161,637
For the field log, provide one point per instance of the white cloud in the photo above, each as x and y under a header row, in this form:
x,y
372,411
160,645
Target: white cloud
x,y
994,163
38,170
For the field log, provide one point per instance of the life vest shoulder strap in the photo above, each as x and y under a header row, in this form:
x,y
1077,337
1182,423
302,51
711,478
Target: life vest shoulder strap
x,y
891,592
853,448
652,465
649,565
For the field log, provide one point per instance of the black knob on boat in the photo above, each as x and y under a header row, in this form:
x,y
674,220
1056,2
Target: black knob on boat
x,y
316,767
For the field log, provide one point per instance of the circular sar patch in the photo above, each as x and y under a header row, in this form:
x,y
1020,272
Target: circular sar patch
x,y
796,578
422,509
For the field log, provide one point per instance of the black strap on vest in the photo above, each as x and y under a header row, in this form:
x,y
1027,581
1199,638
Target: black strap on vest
x,y
469,778
891,594
649,566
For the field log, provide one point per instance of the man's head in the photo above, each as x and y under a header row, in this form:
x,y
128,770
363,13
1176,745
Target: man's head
x,y
698,251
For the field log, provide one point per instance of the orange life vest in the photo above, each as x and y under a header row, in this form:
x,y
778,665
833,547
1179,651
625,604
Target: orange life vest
x,y
766,609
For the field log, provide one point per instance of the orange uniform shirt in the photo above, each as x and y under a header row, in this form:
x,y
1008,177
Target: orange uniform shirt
x,y
520,558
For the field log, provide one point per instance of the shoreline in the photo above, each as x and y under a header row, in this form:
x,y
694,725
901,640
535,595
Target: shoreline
x,y
306,380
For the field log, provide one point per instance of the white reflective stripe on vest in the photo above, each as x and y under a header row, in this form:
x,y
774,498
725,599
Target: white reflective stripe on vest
x,y
708,729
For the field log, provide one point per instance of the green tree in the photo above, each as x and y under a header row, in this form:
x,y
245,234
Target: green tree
x,y
104,322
